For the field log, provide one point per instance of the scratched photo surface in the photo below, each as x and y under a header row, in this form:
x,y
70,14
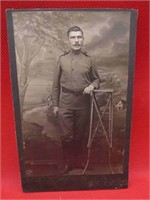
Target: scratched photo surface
x,y
40,38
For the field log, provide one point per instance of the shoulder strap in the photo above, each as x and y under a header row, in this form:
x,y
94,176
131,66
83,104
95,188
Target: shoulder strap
x,y
65,53
85,53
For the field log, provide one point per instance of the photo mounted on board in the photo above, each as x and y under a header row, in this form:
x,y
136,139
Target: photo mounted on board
x,y
72,84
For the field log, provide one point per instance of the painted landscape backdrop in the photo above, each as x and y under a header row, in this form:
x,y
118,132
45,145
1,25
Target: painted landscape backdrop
x,y
40,38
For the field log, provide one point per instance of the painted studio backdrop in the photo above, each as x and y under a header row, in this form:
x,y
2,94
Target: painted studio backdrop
x,y
40,38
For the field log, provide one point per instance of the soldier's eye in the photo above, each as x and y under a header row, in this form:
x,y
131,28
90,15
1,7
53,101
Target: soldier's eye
x,y
72,37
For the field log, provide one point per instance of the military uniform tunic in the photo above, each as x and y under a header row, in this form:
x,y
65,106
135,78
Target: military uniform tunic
x,y
72,75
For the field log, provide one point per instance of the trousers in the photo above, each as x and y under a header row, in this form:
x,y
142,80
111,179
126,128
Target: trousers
x,y
73,123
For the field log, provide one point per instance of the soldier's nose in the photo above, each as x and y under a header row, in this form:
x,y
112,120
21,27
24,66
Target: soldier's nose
x,y
76,40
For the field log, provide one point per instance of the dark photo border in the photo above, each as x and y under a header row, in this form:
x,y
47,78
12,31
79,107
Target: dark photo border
x,y
74,182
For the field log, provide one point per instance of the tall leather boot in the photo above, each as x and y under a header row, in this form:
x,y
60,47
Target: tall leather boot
x,y
79,162
78,150
67,153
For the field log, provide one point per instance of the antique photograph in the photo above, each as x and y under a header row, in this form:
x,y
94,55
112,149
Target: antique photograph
x,y
70,72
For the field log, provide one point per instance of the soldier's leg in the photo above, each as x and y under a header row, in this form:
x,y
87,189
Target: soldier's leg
x,y
66,120
82,124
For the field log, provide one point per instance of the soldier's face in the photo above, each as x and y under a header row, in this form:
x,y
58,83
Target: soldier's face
x,y
76,40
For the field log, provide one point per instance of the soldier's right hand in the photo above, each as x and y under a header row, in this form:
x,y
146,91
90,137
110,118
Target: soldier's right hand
x,y
55,110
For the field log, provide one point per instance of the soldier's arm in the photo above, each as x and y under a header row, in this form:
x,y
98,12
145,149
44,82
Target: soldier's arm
x,y
94,75
94,79
56,85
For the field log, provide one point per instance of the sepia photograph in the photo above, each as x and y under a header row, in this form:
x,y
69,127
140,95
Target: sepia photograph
x,y
72,82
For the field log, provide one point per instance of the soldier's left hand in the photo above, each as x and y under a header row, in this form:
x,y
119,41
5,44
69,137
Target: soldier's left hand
x,y
88,90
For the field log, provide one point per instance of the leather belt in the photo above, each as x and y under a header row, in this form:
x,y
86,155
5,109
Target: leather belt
x,y
79,92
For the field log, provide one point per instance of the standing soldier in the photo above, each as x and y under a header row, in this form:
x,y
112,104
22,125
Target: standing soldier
x,y
75,78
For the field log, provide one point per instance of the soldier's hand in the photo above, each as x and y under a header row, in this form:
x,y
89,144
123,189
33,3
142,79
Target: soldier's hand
x,y
55,110
88,90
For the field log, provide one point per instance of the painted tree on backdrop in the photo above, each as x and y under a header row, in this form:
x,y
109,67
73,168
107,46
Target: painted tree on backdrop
x,y
36,31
